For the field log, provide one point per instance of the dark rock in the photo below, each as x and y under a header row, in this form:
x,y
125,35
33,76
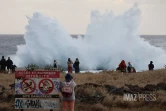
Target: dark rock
x,y
92,84
118,91
150,87
135,88
161,86
91,99
110,88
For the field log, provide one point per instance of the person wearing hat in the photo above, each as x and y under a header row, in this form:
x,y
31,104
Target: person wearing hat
x,y
151,65
68,97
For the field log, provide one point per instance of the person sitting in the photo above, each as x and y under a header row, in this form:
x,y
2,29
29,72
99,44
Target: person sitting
x,y
129,68
133,70
151,65
122,66
13,68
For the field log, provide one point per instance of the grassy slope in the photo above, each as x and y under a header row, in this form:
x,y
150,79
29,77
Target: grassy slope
x,y
112,78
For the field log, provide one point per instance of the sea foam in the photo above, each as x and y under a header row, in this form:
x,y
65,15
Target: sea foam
x,y
109,39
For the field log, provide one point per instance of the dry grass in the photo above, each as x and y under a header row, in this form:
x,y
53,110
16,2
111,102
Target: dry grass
x,y
117,79
110,102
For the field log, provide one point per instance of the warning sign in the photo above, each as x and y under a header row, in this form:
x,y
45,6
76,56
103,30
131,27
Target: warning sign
x,y
46,86
34,87
28,86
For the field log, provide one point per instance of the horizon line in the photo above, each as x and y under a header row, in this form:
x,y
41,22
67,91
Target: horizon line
x,y
84,34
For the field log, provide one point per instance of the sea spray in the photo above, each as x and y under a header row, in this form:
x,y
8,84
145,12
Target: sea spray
x,y
109,39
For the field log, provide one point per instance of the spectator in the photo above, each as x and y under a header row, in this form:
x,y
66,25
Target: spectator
x,y
13,68
122,66
70,65
0,65
76,66
129,67
67,93
9,64
151,66
3,64
55,64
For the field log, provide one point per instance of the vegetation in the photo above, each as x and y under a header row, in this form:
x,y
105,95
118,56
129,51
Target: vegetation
x,y
31,67
48,67
110,102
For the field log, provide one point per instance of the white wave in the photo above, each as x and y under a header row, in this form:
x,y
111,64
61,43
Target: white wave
x,y
109,39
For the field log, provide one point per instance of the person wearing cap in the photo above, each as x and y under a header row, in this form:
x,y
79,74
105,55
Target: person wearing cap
x,y
68,102
151,65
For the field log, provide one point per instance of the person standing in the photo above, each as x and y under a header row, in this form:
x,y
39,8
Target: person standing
x,y
76,66
67,93
9,64
3,64
0,65
55,64
70,65
151,65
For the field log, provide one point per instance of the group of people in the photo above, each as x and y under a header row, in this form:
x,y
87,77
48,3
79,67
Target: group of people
x,y
6,63
70,65
67,93
130,69
75,65
122,66
66,88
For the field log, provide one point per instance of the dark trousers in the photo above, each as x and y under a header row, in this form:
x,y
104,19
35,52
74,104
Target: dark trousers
x,y
3,67
77,69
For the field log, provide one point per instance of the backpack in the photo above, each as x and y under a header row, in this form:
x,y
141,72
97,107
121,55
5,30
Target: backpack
x,y
67,90
74,65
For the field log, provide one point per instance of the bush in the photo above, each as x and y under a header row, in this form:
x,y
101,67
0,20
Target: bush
x,y
31,67
48,67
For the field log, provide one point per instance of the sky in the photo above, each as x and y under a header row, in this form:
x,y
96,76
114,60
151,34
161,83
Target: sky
x,y
74,15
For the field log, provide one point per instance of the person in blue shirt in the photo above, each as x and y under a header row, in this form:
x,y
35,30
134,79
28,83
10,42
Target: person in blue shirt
x,y
129,67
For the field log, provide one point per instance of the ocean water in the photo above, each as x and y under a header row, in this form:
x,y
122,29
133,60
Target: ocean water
x,y
109,38
9,42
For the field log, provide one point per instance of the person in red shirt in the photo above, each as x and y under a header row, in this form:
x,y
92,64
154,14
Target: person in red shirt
x,y
122,66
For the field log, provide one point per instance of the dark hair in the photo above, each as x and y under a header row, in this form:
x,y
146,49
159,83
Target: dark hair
x,y
151,62
68,77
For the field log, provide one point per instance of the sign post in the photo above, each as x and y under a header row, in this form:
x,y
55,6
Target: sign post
x,y
37,90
